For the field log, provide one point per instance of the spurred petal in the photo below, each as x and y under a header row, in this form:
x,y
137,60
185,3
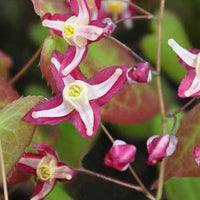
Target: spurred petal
x,y
196,155
52,111
81,127
80,9
55,22
67,67
107,83
190,85
29,162
188,57
43,189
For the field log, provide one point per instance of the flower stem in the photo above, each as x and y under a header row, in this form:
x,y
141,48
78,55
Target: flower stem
x,y
183,107
5,190
134,174
161,99
134,18
128,185
139,8
26,66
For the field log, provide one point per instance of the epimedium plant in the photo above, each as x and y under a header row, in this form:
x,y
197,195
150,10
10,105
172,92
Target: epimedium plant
x,y
72,60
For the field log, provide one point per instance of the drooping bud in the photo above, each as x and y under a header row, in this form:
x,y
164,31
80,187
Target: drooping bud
x,y
196,155
160,147
120,155
140,73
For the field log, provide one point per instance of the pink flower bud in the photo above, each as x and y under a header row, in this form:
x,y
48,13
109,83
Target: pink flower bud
x,y
196,155
160,147
120,155
140,73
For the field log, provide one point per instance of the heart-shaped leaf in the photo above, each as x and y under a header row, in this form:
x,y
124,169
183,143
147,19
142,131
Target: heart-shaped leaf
x,y
7,94
132,102
15,134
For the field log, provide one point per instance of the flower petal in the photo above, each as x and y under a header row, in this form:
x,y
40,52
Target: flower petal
x,y
188,57
29,162
80,9
43,189
196,155
190,85
92,115
106,83
172,145
67,66
52,111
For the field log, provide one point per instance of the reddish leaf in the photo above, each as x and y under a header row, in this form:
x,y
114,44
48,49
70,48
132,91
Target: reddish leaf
x,y
182,164
131,105
7,94
52,6
5,64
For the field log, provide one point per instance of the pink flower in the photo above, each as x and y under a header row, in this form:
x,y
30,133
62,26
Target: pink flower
x,y
190,59
160,147
78,30
120,155
47,168
79,99
196,155
140,73
117,9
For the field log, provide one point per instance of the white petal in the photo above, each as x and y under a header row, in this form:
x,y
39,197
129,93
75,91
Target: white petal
x,y
195,87
47,187
62,172
186,56
75,62
30,162
172,145
89,32
58,25
128,22
97,91
83,11
56,63
118,142
58,111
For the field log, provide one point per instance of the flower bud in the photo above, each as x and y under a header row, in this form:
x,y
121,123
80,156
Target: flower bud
x,y
196,155
120,155
140,73
160,147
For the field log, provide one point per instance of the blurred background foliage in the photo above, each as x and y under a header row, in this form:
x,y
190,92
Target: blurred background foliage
x,y
21,34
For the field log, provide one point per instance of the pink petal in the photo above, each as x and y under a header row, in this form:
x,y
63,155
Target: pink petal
x,y
42,190
115,86
190,85
196,155
79,124
55,22
47,149
70,64
52,103
80,9
29,162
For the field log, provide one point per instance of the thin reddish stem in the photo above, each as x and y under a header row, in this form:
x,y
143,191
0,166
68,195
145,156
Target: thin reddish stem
x,y
134,18
26,66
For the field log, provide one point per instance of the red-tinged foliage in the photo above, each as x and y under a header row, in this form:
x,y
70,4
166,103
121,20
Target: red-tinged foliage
x,y
50,6
7,94
182,163
5,64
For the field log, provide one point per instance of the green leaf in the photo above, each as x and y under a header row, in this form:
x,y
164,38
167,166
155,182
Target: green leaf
x,y
15,134
183,188
58,193
71,146
50,6
171,28
133,101
5,64
7,94
181,163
